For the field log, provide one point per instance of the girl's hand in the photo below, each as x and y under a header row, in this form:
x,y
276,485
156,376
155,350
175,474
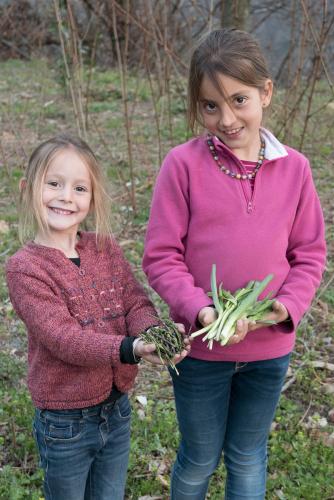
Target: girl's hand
x,y
244,326
147,351
279,314
207,315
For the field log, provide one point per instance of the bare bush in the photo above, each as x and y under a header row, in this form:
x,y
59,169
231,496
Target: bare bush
x,y
22,31
153,40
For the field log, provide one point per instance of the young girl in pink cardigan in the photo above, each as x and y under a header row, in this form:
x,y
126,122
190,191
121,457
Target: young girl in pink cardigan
x,y
238,198
83,309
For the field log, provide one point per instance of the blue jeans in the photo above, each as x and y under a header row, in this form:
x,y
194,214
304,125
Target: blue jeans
x,y
84,452
224,407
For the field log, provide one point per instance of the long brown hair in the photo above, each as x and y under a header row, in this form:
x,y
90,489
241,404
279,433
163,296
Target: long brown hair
x,y
31,213
231,52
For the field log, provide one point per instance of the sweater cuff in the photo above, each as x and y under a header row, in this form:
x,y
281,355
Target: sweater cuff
x,y
126,351
191,314
289,325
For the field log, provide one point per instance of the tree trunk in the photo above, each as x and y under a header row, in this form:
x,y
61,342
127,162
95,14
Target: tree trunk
x,y
234,14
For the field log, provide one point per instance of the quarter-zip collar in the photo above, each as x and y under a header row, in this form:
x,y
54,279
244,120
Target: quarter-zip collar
x,y
273,151
274,148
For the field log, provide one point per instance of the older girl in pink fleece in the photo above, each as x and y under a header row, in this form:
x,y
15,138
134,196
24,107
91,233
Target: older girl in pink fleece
x,y
238,198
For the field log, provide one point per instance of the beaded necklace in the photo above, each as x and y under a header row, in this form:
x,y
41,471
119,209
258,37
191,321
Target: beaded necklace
x,y
228,172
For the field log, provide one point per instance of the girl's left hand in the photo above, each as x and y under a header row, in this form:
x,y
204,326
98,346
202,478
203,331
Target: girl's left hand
x,y
279,313
147,351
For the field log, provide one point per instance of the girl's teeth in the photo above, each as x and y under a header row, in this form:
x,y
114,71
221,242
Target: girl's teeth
x,y
61,212
230,132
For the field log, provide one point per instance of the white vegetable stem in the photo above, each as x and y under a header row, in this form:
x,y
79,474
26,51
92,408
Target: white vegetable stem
x,y
230,308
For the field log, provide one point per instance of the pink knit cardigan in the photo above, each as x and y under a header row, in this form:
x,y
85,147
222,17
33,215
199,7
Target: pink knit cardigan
x,y
76,319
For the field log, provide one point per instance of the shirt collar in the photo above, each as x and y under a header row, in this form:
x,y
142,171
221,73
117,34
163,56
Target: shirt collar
x,y
274,148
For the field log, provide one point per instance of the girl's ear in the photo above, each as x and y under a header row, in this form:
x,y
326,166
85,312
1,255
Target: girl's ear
x,y
22,184
267,93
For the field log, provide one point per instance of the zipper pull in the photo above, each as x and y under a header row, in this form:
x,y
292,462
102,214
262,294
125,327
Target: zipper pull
x,y
250,207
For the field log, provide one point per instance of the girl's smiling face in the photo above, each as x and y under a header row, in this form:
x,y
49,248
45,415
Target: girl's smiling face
x,y
66,192
234,113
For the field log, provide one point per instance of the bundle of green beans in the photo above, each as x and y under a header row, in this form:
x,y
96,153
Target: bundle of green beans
x,y
167,339
231,307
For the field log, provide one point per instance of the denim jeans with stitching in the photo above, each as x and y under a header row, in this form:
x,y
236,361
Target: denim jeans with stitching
x,y
224,407
84,452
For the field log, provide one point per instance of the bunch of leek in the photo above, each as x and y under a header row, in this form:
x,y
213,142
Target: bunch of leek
x,y
231,307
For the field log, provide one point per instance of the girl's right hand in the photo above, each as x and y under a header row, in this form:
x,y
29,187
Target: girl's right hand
x,y
207,315
148,352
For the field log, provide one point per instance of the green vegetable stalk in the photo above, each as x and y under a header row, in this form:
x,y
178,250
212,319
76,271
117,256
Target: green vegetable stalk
x,y
243,304
167,339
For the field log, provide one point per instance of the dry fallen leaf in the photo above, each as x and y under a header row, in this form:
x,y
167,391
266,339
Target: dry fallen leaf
x,y
141,414
331,415
148,497
328,440
163,481
4,227
322,364
328,388
142,400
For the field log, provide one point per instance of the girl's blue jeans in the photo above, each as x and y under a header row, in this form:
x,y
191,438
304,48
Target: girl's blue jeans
x,y
224,407
84,452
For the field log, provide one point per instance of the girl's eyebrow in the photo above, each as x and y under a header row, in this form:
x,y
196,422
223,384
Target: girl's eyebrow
x,y
232,96
206,99
236,94
59,176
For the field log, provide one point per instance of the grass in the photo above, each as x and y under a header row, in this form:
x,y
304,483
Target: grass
x,y
34,105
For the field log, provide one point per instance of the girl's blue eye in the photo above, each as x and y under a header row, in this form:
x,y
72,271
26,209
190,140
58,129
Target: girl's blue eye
x,y
81,189
53,183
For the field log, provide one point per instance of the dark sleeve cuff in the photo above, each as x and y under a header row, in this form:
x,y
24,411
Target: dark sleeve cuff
x,y
126,351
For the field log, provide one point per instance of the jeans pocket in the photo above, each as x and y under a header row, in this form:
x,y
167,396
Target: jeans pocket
x,y
64,431
57,427
123,408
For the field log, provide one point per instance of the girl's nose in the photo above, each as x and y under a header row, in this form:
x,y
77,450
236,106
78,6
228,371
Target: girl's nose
x,y
66,194
227,117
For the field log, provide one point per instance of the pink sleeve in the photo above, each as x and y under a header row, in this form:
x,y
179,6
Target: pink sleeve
x,y
164,255
306,253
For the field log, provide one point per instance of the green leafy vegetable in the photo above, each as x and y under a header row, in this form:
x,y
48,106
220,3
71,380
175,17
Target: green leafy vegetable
x,y
230,308
167,339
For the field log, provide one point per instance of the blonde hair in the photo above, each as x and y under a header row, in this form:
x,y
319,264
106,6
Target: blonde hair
x,y
32,216
228,51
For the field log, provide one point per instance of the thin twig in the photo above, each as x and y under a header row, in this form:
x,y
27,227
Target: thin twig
x,y
122,65
68,74
318,44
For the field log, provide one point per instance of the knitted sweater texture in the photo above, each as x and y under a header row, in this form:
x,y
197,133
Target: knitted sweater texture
x,y
200,216
76,319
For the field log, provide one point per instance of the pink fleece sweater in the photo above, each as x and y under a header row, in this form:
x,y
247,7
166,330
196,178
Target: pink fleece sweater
x,y
200,216
76,319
